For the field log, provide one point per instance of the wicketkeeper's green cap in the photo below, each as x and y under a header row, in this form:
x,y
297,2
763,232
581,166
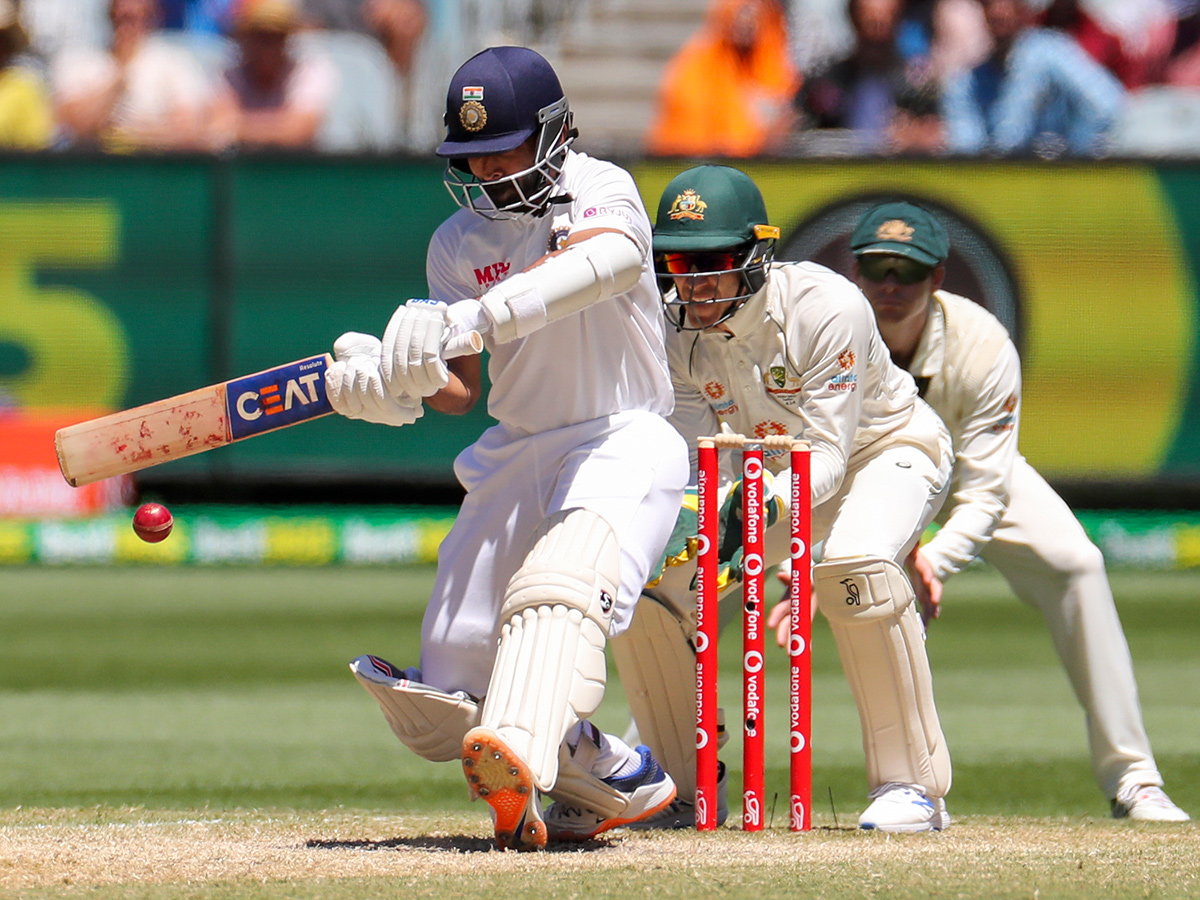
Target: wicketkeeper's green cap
x,y
710,208
901,229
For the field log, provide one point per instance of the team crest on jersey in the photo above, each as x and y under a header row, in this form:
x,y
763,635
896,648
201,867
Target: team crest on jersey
x,y
715,390
687,205
472,114
895,230
780,386
558,238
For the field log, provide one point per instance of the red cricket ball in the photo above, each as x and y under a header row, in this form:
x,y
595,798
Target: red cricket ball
x,y
152,522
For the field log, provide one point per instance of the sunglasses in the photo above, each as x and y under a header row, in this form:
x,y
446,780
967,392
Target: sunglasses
x,y
907,271
704,261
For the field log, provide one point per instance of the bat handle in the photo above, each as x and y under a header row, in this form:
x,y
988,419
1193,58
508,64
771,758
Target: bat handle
x,y
466,343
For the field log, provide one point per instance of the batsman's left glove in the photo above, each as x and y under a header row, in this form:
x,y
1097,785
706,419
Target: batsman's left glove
x,y
354,384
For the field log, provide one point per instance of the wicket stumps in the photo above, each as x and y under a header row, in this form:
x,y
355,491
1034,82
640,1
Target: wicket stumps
x,y
753,630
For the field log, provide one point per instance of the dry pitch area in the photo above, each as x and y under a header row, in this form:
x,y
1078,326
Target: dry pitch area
x,y
120,853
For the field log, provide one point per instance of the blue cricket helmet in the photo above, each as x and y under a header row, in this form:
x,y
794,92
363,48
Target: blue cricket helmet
x,y
497,100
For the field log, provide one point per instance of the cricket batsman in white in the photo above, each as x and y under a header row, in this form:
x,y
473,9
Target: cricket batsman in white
x,y
764,348
1000,508
571,497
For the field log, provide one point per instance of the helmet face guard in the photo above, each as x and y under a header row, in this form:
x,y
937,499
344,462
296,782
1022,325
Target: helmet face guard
x,y
498,100
711,219
752,264
525,192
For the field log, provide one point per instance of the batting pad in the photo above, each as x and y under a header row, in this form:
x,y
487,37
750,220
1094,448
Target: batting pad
x,y
657,664
576,786
428,721
869,604
550,669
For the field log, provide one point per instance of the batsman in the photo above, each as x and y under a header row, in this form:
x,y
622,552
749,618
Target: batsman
x,y
571,496
759,348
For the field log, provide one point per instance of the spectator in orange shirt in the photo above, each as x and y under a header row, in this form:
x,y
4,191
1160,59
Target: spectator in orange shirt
x,y
729,90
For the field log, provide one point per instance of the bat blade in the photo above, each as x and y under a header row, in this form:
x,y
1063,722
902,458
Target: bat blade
x,y
192,423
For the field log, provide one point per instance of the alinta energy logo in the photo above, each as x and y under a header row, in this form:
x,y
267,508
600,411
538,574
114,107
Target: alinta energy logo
x,y
976,268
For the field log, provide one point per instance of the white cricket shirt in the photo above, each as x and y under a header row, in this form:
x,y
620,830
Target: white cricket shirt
x,y
971,375
805,359
607,358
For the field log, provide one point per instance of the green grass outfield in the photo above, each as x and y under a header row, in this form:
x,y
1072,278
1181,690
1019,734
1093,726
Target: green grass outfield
x,y
143,698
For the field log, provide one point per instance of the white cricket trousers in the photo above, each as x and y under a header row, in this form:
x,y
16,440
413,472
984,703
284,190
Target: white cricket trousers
x,y
631,468
1045,555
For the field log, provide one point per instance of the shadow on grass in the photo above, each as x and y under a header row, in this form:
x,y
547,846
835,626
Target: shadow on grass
x,y
453,844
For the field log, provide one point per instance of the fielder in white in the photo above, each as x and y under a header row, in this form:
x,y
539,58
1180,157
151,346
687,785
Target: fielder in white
x,y
1000,508
761,348
570,498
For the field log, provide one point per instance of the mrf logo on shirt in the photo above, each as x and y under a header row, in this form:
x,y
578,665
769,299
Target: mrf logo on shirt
x,y
490,275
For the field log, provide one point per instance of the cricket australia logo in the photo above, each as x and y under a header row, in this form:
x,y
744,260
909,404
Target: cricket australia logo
x,y
778,374
687,205
895,230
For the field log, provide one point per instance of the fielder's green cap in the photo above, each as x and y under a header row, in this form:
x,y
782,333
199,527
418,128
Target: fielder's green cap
x,y
901,229
710,208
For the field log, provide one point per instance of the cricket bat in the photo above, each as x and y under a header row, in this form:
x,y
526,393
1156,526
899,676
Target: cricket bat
x,y
200,420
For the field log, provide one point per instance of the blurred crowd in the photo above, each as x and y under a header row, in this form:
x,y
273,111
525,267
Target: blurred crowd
x,y
213,75
1000,77
1041,78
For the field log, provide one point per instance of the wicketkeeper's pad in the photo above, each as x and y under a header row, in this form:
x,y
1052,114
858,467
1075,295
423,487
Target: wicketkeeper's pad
x,y
869,604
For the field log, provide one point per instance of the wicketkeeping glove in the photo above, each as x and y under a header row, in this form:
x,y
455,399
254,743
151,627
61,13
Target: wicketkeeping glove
x,y
729,548
412,363
684,542
355,386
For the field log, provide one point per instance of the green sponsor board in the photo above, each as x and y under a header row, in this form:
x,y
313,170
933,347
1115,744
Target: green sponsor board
x,y
1091,265
230,535
124,280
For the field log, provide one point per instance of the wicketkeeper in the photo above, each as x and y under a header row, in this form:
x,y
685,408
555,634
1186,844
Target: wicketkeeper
x,y
1000,508
760,347
570,497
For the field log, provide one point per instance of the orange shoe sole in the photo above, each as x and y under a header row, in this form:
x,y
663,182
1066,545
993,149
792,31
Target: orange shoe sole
x,y
498,776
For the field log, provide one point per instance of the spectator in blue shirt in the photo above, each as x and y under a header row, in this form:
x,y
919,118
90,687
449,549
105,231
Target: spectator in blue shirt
x,y
1038,92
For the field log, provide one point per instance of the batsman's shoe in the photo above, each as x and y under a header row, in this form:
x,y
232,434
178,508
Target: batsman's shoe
x,y
901,808
681,813
1147,803
499,777
649,790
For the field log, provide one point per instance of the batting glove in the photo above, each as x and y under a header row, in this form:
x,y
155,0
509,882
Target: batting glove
x,y
355,386
412,361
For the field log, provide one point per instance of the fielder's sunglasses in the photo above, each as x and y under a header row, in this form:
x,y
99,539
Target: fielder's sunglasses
x,y
876,267
701,261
